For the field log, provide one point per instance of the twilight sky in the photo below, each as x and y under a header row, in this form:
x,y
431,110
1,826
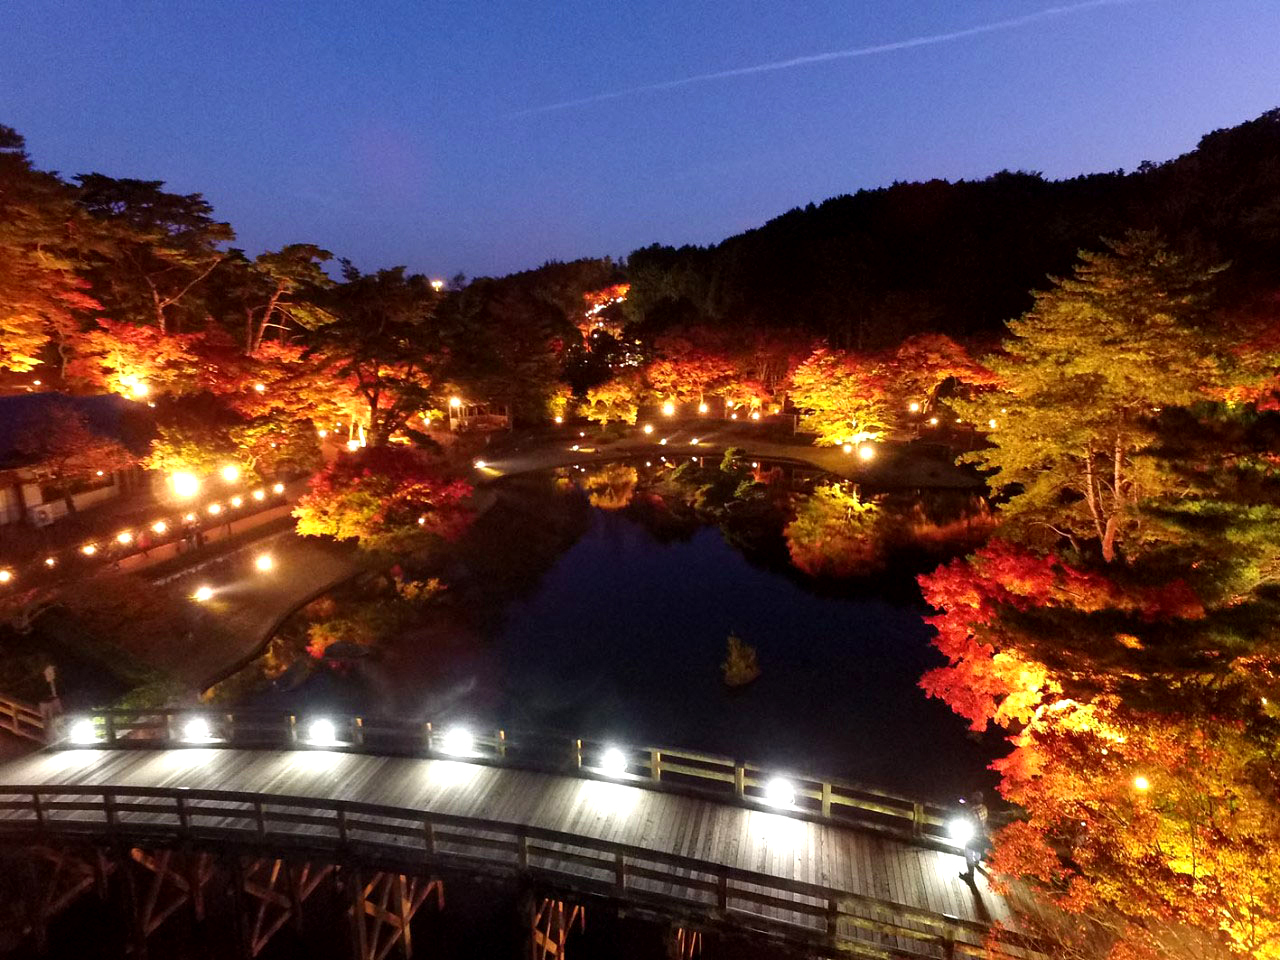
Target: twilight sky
x,y
452,135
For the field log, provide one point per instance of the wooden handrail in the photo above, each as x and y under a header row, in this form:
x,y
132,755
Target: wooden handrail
x,y
830,800
838,918
21,718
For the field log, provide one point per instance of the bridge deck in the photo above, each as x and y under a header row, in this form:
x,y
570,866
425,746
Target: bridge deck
x,y
756,840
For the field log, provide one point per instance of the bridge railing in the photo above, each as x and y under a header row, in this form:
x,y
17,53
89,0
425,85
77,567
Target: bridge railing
x,y
21,718
678,886
722,778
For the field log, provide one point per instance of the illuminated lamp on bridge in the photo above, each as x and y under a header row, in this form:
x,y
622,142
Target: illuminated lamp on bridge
x,y
780,792
613,762
458,742
322,733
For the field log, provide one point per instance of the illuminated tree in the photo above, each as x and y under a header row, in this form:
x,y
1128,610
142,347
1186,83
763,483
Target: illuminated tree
x,y
922,365
616,399
41,294
63,448
283,290
691,364
156,250
1081,382
390,499
611,486
841,397
134,361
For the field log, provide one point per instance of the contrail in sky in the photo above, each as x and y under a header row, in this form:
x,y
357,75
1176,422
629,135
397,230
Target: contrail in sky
x,y
1010,24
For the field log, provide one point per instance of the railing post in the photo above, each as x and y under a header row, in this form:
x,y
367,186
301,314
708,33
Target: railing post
x,y
430,737
826,799
722,892
522,851
109,809
293,728
655,764
184,818
740,779
429,835
39,810
342,826
917,819
168,726
949,943
577,753
260,818
833,917
502,743
357,731
109,727
619,871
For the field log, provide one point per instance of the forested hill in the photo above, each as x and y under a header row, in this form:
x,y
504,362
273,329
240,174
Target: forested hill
x,y
871,268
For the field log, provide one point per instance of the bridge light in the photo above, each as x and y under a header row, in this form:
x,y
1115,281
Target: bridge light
x,y
185,484
703,408
264,562
278,488
83,730
913,406
559,419
847,448
755,415
196,730
159,527
6,576
480,464
322,732
202,594
259,494
867,452
237,501
961,830
457,742
215,509
647,428
230,473
779,792
613,762
668,409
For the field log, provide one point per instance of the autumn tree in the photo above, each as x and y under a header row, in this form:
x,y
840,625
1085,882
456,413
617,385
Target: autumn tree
x,y
283,292
157,248
616,399
389,499
42,295
383,339
834,533
134,361
62,446
924,364
842,397
1082,380
690,365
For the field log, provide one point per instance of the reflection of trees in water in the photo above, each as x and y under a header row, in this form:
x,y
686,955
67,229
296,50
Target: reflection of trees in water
x,y
610,487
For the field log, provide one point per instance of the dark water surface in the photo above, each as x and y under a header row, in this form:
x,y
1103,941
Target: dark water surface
x,y
568,617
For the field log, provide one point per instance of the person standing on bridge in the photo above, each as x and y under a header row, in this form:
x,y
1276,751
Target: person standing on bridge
x,y
976,846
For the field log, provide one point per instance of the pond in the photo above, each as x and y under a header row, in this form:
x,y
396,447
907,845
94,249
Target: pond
x,y
600,601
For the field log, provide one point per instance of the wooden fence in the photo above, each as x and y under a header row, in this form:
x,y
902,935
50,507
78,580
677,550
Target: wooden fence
x,y
21,718
819,919
721,778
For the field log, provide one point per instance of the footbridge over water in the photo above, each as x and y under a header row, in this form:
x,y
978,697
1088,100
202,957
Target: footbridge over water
x,y
393,811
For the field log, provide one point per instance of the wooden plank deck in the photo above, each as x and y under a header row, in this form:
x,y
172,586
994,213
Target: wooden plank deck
x,y
771,843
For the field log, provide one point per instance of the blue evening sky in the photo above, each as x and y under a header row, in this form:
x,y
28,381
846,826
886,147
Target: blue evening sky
x,y
396,131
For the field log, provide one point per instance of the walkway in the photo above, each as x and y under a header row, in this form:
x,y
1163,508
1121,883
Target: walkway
x,y
781,870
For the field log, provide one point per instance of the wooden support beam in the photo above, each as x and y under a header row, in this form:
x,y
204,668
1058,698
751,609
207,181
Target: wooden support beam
x,y
684,943
550,923
383,909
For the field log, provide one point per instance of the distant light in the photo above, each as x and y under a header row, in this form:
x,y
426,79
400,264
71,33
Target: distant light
x,y
847,448
668,409
867,452
991,424
264,562
755,415
437,285
215,508
100,473
574,447
259,494
83,730
582,433
694,442
159,527
455,402
35,383
733,416
323,433
613,762
480,464
1141,783
278,488
457,742
422,521
647,428
702,408
51,562
779,792
202,594
559,419
124,536
933,421
140,389
322,732
961,830
913,406
185,484
353,445
237,501
662,442
189,518
6,576
260,387
89,549
230,473
196,730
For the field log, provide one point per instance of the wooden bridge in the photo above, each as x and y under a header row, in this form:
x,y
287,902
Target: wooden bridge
x,y
394,810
